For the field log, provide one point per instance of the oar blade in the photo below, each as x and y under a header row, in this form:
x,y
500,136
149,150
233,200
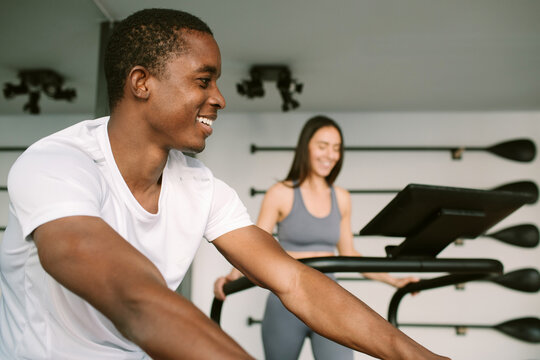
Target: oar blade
x,y
526,280
526,329
527,187
522,150
525,235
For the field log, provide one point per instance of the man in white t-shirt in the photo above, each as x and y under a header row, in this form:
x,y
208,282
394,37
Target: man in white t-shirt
x,y
105,218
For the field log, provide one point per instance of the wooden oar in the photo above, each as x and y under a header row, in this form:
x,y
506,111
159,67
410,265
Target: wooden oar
x,y
528,187
525,329
523,150
12,148
525,280
525,235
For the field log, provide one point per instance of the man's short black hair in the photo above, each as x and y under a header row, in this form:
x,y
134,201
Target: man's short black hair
x,y
149,38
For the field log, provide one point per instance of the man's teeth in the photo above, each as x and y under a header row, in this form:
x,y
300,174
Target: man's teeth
x,y
205,120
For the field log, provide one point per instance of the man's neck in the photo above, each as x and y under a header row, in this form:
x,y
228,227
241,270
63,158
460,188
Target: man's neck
x,y
139,161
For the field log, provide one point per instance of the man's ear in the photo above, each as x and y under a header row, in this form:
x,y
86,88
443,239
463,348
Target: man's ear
x,y
138,82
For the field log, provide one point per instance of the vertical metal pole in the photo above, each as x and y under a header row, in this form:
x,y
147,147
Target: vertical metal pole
x,y
185,286
102,99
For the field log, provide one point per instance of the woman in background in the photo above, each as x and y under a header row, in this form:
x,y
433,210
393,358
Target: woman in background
x,y
313,219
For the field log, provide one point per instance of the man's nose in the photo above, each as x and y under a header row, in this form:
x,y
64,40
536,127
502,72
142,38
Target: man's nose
x,y
217,100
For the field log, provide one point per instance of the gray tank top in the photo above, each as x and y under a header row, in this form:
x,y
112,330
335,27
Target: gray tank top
x,y
301,231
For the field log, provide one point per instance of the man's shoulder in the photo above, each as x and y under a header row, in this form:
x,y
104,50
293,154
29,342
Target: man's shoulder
x,y
81,136
68,149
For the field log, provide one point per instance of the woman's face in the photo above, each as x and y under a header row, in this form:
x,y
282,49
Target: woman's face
x,y
324,150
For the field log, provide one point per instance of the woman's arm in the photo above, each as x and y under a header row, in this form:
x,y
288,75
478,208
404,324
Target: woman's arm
x,y
276,205
345,244
273,209
222,280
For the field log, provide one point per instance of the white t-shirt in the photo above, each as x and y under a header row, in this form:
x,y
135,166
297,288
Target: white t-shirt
x,y
72,173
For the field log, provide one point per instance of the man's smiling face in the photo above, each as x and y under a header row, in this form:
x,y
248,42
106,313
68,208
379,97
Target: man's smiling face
x,y
185,100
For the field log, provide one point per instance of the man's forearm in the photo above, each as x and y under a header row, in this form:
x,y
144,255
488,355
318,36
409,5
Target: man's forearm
x,y
98,265
348,320
318,301
171,327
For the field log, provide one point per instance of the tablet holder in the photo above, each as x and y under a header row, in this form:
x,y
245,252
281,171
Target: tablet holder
x,y
431,217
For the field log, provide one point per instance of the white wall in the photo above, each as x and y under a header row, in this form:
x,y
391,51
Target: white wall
x,y
228,154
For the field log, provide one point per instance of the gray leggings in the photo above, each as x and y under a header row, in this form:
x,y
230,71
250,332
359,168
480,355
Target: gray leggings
x,y
283,335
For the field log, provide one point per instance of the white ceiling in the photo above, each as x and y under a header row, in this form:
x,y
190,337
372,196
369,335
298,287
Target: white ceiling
x,y
356,55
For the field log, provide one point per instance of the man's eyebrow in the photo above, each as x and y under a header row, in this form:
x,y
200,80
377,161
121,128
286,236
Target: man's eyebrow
x,y
207,68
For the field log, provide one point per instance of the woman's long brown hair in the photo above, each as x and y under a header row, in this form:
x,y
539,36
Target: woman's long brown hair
x,y
301,166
